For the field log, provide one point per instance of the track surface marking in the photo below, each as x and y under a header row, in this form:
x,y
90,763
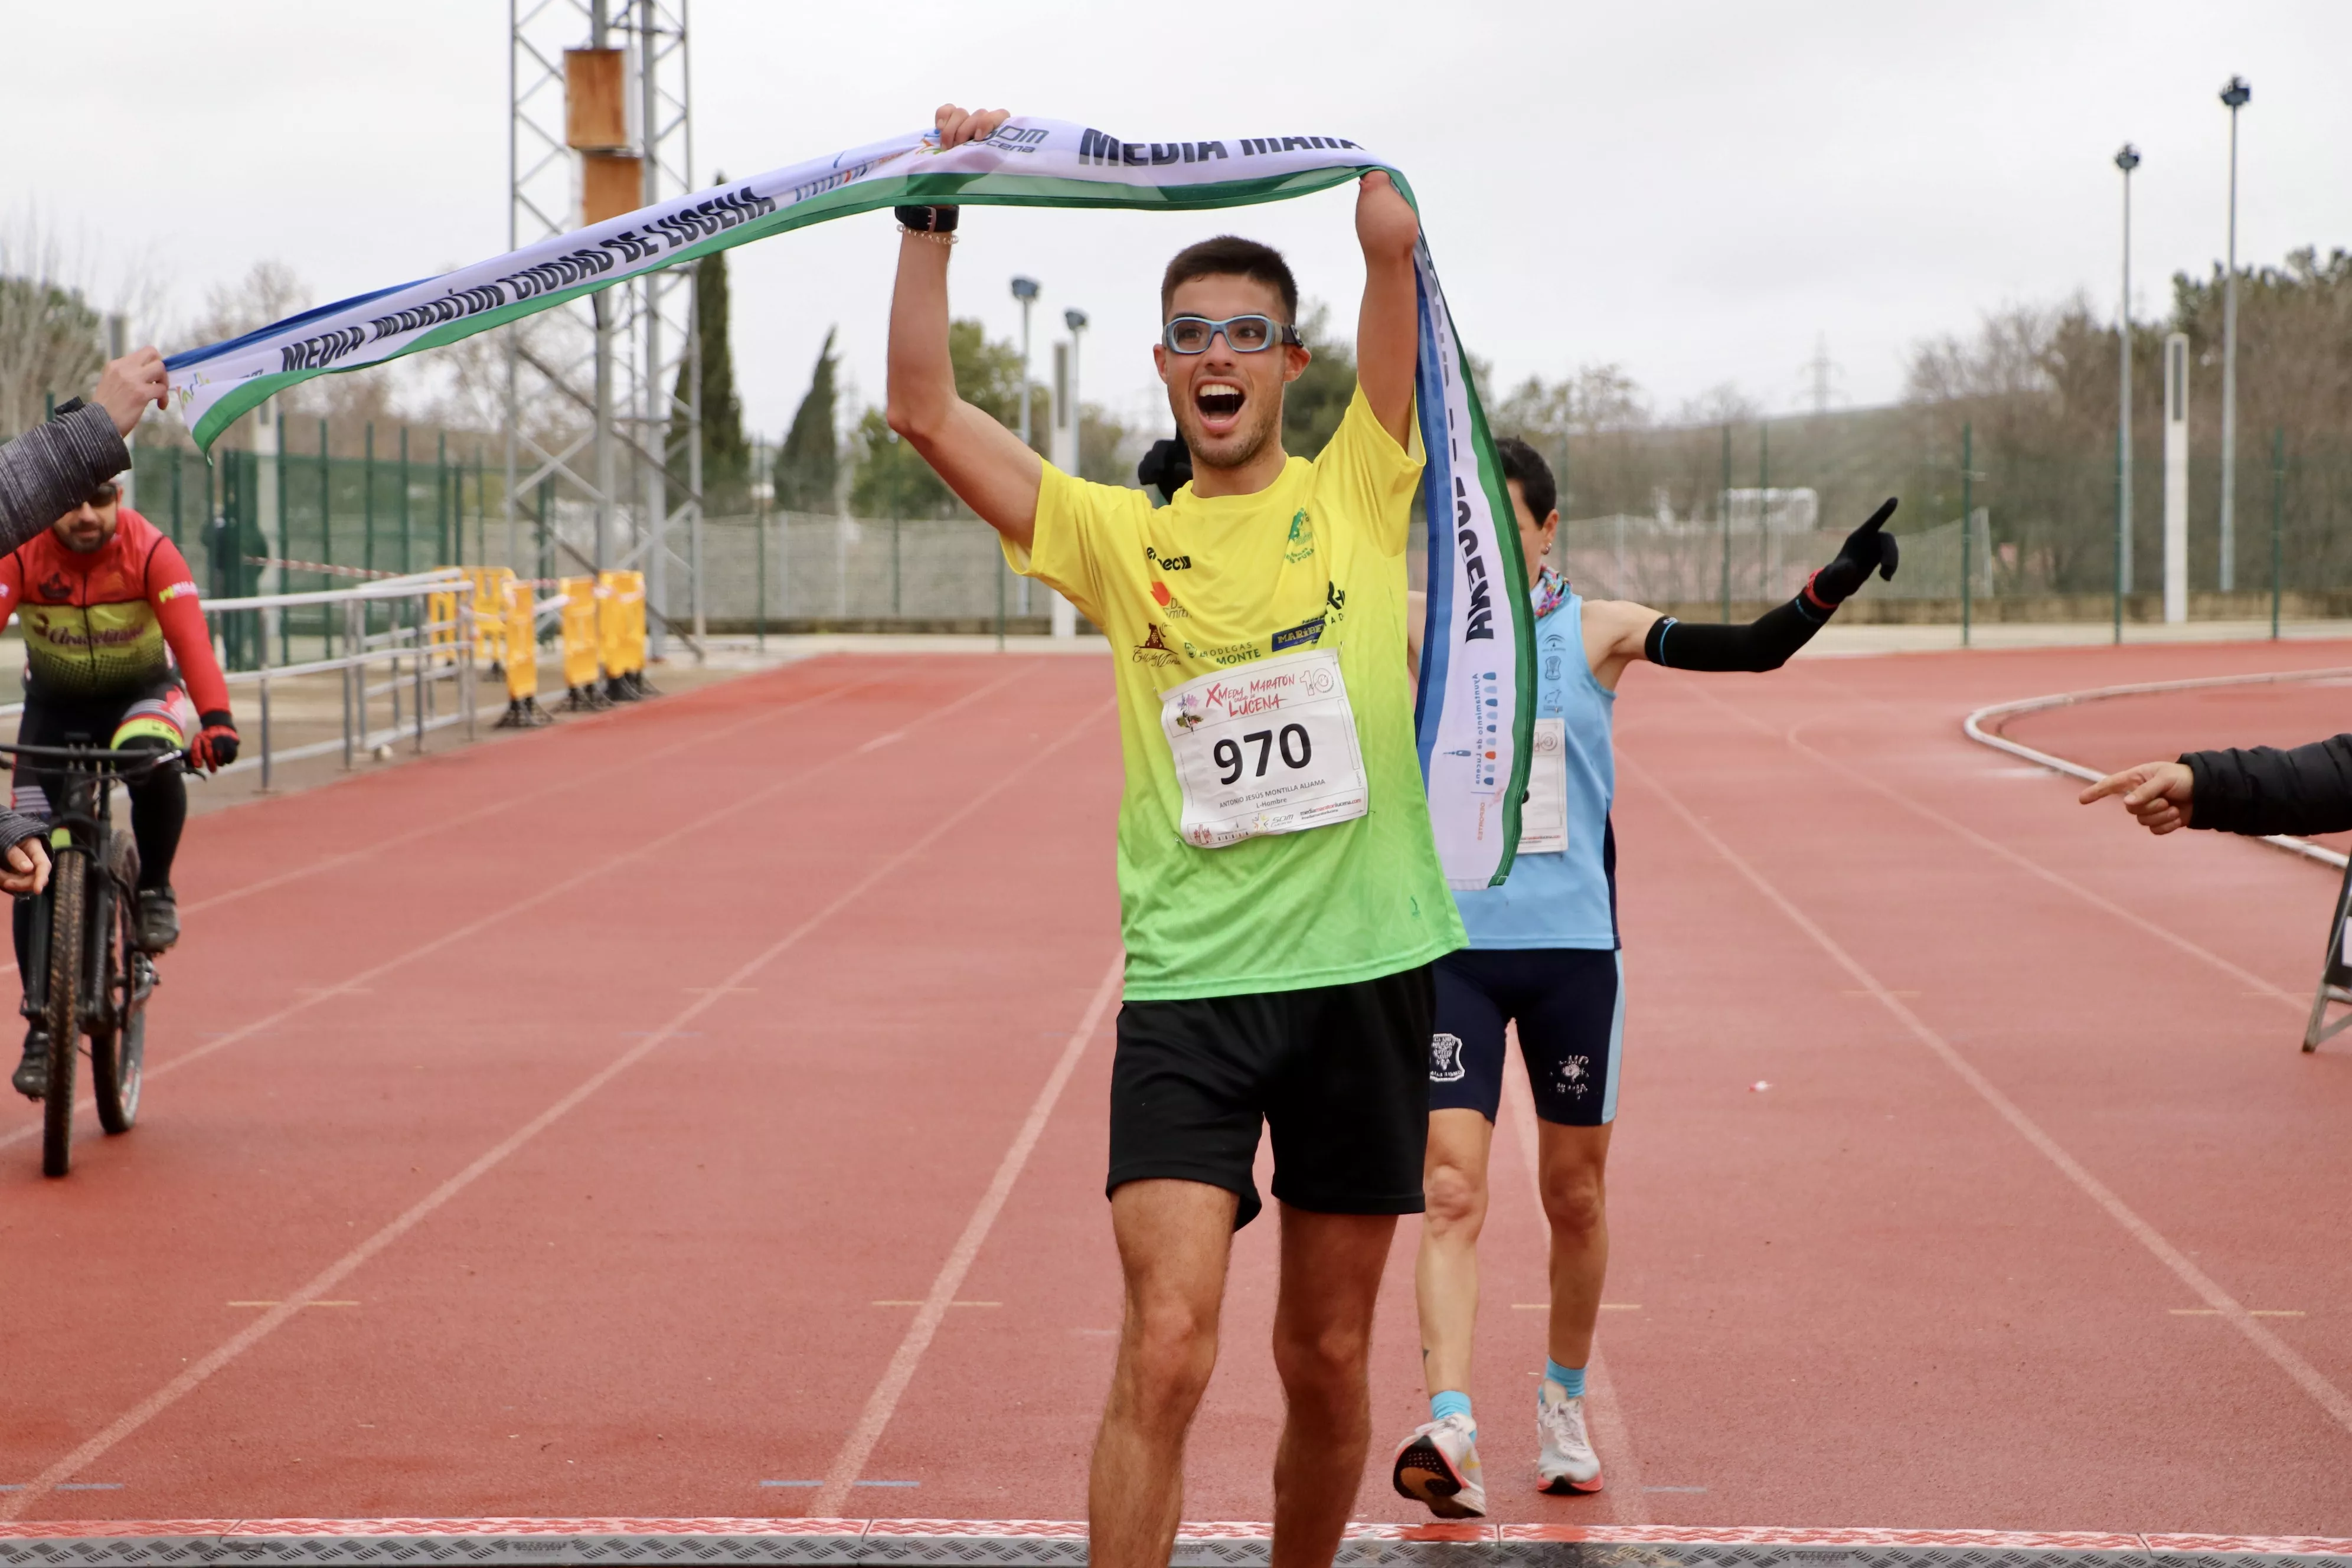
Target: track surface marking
x,y
1863,1294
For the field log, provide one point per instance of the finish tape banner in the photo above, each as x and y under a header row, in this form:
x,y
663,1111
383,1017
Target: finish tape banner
x,y
1477,703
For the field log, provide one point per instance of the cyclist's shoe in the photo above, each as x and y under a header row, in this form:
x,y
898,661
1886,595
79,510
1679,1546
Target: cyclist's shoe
x,y
158,920
32,1078
1437,1467
1565,1461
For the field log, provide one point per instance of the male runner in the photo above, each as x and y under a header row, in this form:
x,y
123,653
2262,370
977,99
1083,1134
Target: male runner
x,y
1279,888
1543,954
108,606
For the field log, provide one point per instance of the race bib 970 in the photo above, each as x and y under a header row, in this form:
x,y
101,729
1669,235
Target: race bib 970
x,y
1269,747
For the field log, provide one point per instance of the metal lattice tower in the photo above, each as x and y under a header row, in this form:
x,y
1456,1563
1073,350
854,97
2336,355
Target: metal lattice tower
x,y
592,403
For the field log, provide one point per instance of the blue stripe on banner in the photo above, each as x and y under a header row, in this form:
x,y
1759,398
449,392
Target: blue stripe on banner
x,y
1436,483
213,351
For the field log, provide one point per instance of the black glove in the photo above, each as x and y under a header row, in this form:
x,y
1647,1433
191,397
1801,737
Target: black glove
x,y
216,747
929,220
1865,550
1167,468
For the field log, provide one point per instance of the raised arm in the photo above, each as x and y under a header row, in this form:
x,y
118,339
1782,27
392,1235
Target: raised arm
x,y
1387,331
981,462
49,470
1616,632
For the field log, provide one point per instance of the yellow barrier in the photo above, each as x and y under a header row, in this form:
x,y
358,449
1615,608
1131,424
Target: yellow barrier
x,y
580,661
518,640
489,584
441,625
621,631
518,628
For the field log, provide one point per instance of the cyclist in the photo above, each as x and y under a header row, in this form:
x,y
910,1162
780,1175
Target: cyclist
x,y
115,647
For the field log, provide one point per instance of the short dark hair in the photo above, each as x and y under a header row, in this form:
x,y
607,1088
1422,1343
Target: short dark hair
x,y
1230,256
1524,464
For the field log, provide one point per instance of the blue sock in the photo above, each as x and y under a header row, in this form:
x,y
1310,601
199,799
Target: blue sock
x,y
1571,1378
1451,1402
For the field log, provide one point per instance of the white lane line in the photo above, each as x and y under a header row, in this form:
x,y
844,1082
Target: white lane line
x,y
858,1447
569,782
327,1278
2132,918
1620,1467
312,996
2307,1377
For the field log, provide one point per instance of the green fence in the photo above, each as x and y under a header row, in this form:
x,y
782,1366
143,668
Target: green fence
x,y
297,522
1991,527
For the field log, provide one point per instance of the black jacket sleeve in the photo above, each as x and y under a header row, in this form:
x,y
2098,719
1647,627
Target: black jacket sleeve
x,y
51,469
2262,789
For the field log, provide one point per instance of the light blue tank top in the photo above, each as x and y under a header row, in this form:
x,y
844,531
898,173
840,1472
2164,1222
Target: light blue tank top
x,y
1569,899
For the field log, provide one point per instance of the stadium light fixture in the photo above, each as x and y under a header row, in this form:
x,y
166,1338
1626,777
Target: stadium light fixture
x,y
1024,290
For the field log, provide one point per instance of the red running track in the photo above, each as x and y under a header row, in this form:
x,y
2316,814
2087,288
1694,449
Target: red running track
x,y
634,1081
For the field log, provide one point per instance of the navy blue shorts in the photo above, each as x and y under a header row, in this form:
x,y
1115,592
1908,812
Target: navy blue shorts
x,y
1569,1006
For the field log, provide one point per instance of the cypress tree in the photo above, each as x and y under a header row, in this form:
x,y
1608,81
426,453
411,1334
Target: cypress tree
x,y
808,464
726,456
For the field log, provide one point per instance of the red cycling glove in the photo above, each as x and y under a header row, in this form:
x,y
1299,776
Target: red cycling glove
x,y
214,746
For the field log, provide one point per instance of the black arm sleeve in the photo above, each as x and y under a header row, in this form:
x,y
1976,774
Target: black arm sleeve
x,y
1764,643
2262,789
51,469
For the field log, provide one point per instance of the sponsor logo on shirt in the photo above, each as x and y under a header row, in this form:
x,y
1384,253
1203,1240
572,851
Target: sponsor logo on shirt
x,y
1304,635
1301,544
165,596
1167,601
1228,653
55,588
1167,563
1154,648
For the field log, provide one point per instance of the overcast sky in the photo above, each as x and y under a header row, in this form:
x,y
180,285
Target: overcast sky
x,y
1696,193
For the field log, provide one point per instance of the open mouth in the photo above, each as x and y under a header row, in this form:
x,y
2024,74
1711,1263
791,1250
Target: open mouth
x,y
1219,404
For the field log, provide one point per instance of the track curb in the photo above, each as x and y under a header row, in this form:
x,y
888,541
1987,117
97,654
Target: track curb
x,y
1046,1543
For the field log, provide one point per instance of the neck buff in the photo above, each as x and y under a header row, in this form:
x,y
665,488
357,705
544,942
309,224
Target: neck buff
x,y
1475,711
1551,592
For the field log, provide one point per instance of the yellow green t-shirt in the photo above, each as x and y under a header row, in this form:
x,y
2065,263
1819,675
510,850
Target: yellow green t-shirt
x,y
1317,559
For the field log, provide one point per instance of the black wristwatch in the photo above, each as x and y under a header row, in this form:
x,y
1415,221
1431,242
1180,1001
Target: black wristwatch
x,y
929,220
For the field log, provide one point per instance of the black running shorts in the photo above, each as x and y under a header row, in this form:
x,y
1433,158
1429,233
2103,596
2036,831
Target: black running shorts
x,y
1339,1074
1569,1006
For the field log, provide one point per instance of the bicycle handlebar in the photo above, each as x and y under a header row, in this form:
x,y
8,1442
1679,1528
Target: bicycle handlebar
x,y
100,759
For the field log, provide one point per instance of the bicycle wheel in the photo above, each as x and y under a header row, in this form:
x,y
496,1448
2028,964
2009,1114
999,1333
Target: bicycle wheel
x,y
67,892
118,1040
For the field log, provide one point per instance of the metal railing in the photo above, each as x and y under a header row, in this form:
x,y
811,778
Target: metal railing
x,y
428,663
417,666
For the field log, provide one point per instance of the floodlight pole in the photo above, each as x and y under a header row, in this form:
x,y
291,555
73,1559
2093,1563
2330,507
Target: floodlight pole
x,y
2235,94
2127,160
1026,290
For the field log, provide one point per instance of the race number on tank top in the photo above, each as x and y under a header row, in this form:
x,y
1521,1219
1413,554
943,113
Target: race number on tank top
x,y
1543,815
1265,747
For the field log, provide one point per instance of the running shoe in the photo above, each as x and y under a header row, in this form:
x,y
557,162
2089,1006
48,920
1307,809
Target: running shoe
x,y
32,1075
1437,1467
1564,1456
158,920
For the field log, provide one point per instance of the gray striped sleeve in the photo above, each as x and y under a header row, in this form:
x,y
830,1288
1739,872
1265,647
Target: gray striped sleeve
x,y
49,470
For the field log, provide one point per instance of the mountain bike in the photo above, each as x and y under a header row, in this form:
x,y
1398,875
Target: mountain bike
x,y
85,974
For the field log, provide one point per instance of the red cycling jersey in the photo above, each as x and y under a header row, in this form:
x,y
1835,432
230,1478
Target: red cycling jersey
x,y
98,625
